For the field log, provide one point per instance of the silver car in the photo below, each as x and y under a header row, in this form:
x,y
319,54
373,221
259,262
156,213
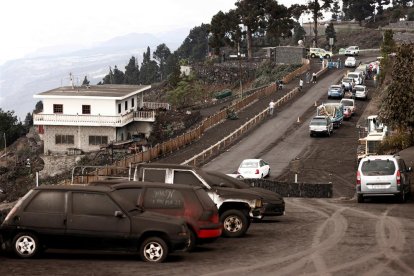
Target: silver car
x,y
383,175
360,92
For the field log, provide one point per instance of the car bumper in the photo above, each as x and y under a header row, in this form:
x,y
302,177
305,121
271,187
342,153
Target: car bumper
x,y
210,232
335,95
179,243
360,96
272,209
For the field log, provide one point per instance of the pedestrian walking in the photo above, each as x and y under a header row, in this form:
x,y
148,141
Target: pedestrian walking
x,y
308,77
271,107
313,77
300,84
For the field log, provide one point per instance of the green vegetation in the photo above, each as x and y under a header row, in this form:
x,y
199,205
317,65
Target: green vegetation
x,y
268,72
10,128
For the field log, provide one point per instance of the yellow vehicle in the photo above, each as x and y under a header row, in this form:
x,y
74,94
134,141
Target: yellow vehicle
x,y
318,52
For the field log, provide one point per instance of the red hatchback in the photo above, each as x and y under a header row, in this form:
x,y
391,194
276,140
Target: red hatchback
x,y
192,204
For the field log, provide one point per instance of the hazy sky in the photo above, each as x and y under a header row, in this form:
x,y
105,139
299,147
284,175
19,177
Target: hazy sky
x,y
27,25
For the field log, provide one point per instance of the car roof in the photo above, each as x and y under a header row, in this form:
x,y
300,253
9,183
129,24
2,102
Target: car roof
x,y
382,157
165,165
350,58
251,160
134,184
336,85
73,187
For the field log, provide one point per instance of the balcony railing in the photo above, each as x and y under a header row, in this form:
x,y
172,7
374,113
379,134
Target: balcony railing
x,y
156,106
93,120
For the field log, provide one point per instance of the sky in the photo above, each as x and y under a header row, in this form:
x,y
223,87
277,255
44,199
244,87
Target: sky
x,y
28,25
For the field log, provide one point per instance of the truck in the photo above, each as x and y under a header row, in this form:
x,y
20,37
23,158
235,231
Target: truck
x,y
373,134
334,110
238,203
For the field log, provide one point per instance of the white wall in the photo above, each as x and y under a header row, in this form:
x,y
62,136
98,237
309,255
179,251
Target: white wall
x,y
105,107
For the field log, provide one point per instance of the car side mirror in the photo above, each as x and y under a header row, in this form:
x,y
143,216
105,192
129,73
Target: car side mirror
x,y
119,214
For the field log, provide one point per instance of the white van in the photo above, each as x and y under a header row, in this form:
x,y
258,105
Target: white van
x,y
357,76
383,175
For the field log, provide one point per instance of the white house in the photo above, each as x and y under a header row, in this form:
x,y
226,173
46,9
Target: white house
x,y
83,118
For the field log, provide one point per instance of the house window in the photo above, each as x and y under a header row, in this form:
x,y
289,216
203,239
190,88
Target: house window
x,y
58,108
98,140
132,102
64,139
119,108
126,105
86,109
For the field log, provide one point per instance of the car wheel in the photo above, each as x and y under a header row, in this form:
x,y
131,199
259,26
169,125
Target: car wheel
x,y
154,250
192,241
268,173
360,198
26,245
235,223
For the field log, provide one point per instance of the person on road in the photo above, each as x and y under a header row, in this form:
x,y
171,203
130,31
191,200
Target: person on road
x,y
313,77
308,77
271,107
300,84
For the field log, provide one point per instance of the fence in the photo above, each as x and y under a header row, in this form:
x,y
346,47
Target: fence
x,y
194,134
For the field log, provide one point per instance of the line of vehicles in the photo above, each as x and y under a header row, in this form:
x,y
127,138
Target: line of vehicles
x,y
153,209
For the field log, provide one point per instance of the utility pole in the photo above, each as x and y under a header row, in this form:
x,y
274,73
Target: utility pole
x,y
240,71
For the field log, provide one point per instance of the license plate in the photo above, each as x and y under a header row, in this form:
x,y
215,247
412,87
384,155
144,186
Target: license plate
x,y
378,186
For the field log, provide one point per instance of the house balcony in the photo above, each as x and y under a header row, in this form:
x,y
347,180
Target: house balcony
x,y
93,120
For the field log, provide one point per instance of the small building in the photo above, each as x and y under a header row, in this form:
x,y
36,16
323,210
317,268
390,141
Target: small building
x,y
85,118
290,54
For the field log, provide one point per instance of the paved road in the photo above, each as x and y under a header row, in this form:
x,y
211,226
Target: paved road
x,y
261,142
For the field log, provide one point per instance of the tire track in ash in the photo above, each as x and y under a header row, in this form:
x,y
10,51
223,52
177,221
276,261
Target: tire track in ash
x,y
304,257
391,247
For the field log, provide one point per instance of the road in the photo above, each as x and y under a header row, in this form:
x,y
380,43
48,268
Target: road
x,y
316,236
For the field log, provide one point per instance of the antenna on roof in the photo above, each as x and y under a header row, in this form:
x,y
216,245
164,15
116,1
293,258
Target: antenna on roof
x,y
71,80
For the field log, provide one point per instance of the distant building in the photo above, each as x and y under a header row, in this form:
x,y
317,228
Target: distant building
x,y
84,118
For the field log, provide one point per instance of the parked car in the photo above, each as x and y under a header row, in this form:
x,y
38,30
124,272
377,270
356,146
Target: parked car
x,y
335,111
335,91
348,83
350,62
320,125
357,76
383,175
352,51
349,103
254,168
360,92
190,203
91,217
237,206
318,52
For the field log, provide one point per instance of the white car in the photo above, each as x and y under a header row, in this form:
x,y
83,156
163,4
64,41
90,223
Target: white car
x,y
349,103
356,76
254,168
360,92
352,51
350,62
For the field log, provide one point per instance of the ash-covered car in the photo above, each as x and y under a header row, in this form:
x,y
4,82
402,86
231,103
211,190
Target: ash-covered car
x,y
236,201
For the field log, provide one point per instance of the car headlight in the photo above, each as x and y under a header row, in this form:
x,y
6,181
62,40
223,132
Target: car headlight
x,y
258,203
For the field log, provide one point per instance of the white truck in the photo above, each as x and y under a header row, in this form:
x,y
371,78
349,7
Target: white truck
x,y
375,134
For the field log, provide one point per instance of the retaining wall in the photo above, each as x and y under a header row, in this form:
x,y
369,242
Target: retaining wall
x,y
290,189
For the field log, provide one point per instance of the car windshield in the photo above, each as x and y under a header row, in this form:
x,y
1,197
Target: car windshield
x,y
347,102
249,164
335,87
318,122
378,167
346,79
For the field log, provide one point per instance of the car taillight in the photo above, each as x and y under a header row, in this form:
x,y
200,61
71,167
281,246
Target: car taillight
x,y
358,180
398,178
257,171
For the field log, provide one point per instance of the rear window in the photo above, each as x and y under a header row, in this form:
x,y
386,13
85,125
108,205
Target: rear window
x,y
353,75
318,122
347,103
249,164
378,167
161,198
359,88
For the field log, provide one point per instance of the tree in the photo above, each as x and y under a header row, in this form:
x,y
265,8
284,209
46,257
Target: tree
x,y
187,92
85,81
195,44
396,109
278,21
28,121
388,43
172,69
10,127
359,10
132,71
109,78
336,10
161,55
313,7
149,72
330,32
119,76
298,33
38,107
380,5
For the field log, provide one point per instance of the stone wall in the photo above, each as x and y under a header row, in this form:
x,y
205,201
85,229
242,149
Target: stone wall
x,y
290,189
56,164
290,54
401,25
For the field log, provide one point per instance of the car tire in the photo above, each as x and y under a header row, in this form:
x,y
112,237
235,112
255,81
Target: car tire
x,y
192,241
153,250
26,245
268,173
235,223
360,198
